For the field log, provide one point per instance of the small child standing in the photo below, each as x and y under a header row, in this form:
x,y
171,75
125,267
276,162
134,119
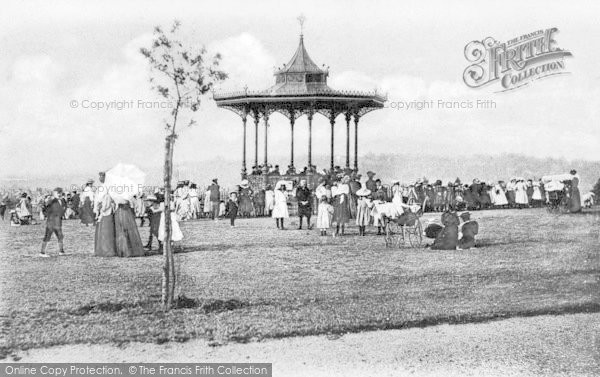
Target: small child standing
x,y
55,209
324,215
363,210
176,234
231,209
154,212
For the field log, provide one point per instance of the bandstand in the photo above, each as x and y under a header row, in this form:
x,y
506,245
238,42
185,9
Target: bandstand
x,y
300,89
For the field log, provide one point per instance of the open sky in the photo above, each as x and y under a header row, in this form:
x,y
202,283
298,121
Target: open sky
x,y
53,53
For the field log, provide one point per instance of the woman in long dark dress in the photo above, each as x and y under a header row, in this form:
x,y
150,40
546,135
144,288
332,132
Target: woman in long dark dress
x,y
575,197
245,199
87,197
128,240
341,212
104,238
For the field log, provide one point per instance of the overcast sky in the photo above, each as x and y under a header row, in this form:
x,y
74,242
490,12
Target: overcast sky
x,y
53,53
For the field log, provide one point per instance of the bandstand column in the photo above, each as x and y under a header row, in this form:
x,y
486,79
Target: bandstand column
x,y
348,116
244,171
265,167
356,118
256,119
292,120
310,117
332,121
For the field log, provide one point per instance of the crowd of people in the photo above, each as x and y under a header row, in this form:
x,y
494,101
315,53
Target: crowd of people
x,y
339,197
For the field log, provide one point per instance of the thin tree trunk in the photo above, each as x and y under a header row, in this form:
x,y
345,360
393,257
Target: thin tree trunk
x,y
167,299
172,274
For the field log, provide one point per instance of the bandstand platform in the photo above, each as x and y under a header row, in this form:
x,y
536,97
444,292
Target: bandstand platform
x,y
300,90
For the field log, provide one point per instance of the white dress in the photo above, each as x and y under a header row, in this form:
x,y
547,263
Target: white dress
x,y
324,216
280,209
176,234
537,193
498,196
207,201
521,193
269,200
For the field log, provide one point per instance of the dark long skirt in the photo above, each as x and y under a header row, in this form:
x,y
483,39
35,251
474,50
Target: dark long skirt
x,y
447,239
128,240
155,223
104,239
87,214
341,211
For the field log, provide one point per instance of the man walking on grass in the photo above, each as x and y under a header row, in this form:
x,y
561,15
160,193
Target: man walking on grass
x,y
55,210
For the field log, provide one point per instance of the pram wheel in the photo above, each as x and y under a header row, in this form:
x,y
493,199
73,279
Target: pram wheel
x,y
415,234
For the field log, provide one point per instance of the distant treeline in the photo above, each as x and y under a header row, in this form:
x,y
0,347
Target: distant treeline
x,y
389,166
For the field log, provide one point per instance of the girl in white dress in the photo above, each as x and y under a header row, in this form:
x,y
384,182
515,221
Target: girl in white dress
x,y
280,210
521,194
324,215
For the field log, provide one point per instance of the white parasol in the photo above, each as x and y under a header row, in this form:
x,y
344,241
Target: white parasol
x,y
124,181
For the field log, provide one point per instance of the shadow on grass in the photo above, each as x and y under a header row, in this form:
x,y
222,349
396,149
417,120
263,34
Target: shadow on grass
x,y
155,306
487,242
588,308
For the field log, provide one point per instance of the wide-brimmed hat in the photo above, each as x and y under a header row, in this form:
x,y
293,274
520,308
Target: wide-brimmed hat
x,y
370,173
465,216
244,183
215,180
363,192
151,198
89,181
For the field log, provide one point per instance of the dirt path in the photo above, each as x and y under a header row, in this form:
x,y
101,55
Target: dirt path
x,y
567,345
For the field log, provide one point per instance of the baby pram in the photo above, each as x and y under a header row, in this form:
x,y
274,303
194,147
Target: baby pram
x,y
557,189
400,222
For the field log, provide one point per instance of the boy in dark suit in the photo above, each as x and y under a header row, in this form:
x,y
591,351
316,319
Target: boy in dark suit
x,y
54,211
231,208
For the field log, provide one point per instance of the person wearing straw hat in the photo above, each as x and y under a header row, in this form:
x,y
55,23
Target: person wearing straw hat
x,y
363,209
245,199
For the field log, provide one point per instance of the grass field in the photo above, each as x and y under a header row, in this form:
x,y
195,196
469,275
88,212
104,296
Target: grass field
x,y
253,282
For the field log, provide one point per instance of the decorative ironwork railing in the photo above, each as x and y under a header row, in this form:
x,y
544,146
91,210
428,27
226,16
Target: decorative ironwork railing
x,y
300,93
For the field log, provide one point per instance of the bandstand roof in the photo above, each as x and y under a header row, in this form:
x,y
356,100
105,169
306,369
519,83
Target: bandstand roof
x,y
301,62
300,87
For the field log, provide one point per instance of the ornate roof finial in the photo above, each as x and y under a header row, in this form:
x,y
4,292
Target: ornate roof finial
x,y
301,20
